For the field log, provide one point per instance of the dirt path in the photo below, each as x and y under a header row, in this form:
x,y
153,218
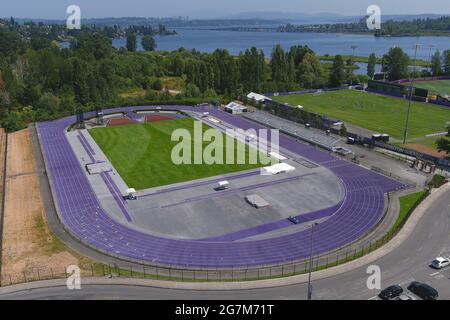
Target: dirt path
x,y
28,246
426,149
2,187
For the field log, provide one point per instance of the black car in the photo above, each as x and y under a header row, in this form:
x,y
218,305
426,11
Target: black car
x,y
423,291
294,220
391,292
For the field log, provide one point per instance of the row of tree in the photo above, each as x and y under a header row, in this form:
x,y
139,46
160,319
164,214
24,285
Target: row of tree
x,y
391,27
440,63
148,43
396,64
55,31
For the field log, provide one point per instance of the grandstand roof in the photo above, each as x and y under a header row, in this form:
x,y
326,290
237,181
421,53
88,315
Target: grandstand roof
x,y
257,96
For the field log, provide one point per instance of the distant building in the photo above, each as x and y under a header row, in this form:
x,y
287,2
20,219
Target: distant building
x,y
257,97
235,108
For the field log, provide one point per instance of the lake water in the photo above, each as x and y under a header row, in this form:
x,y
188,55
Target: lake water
x,y
321,43
235,42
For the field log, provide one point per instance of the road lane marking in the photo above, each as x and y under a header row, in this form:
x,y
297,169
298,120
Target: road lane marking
x,y
373,298
433,274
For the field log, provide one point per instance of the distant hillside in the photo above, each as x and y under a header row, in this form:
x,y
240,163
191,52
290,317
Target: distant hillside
x,y
169,22
324,17
415,27
294,17
254,18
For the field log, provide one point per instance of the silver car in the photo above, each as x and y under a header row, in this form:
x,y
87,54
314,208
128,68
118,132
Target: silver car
x,y
440,263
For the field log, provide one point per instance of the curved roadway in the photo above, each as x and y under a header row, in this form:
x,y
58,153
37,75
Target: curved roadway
x,y
406,263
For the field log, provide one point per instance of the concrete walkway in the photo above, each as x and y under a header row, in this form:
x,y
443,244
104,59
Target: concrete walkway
x,y
401,237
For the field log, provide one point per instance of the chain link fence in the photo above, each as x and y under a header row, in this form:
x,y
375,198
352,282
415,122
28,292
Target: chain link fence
x,y
178,274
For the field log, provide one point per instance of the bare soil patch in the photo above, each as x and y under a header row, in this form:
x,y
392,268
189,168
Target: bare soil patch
x,y
157,117
426,149
28,247
120,122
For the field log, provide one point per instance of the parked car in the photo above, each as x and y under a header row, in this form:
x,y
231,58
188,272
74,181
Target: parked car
x,y
423,291
440,263
294,220
391,292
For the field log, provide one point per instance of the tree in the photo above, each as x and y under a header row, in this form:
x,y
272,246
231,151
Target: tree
x,y
38,43
397,63
443,144
298,53
349,66
337,76
436,63
80,81
131,42
49,102
252,69
10,42
148,43
371,65
310,71
157,84
278,64
95,43
446,62
192,91
343,130
226,72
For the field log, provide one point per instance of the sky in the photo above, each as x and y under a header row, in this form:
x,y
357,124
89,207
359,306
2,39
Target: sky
x,y
56,9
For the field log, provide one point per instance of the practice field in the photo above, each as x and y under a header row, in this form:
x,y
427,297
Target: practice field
x,y
441,87
141,153
374,112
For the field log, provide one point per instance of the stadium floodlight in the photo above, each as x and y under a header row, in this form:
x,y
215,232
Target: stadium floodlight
x,y
411,87
353,48
311,261
430,46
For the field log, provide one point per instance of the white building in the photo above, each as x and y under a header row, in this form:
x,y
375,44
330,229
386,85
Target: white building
x,y
257,97
235,108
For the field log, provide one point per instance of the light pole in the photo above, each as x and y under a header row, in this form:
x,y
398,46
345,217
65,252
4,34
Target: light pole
x,y
354,47
310,261
429,56
411,86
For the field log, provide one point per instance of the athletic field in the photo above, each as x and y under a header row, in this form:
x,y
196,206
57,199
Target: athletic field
x,y
374,112
141,153
441,87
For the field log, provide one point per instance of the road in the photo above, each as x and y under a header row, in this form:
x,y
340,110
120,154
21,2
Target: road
x,y
410,261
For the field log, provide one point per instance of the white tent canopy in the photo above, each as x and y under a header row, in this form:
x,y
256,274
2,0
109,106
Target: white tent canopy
x,y
277,169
